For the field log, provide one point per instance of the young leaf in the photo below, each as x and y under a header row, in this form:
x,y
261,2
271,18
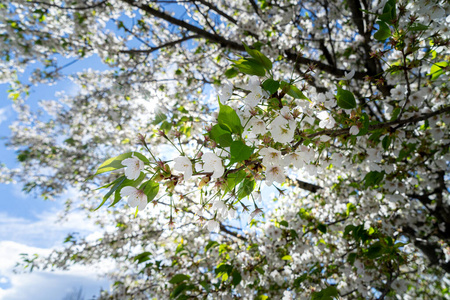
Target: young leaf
x,y
328,293
220,136
117,183
383,32
116,162
229,120
250,66
373,178
345,99
240,151
271,85
259,57
126,182
293,91
151,189
231,72
178,278
246,188
437,69
236,278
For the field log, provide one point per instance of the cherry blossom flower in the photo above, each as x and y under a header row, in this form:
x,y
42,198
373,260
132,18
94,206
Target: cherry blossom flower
x,y
212,163
134,166
226,92
271,156
326,120
274,173
254,98
348,75
354,130
282,130
257,212
135,197
213,225
183,164
398,92
256,126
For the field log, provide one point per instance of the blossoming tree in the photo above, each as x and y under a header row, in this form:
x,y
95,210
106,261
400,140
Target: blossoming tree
x,y
341,107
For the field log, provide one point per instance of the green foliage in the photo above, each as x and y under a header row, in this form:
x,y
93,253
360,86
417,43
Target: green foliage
x,y
240,151
271,85
151,189
258,56
328,293
229,120
246,188
345,99
383,32
373,178
221,136
249,66
115,163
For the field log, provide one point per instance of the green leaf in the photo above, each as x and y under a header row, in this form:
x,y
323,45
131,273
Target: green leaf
x,y
229,120
220,136
126,182
395,113
159,118
234,179
271,85
210,245
239,151
386,142
223,269
293,91
151,189
143,257
375,251
116,162
345,99
437,69
418,27
373,178
250,66
351,258
264,60
322,228
389,13
383,32
117,183
326,294
287,257
246,188
178,290
178,278
231,72
284,223
236,278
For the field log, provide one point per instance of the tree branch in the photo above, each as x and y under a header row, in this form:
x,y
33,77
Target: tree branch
x,y
71,8
153,49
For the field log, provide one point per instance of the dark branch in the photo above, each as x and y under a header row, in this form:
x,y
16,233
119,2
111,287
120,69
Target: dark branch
x,y
153,49
71,8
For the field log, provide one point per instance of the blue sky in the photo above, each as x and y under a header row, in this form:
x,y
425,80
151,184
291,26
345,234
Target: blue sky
x,y
28,224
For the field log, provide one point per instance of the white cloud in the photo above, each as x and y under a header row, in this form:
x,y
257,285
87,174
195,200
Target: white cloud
x,y
19,235
43,285
4,113
46,230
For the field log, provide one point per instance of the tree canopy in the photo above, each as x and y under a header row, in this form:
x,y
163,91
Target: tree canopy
x,y
341,107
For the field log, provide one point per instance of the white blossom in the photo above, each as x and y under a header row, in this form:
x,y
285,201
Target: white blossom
x,y
212,163
183,164
135,197
134,166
